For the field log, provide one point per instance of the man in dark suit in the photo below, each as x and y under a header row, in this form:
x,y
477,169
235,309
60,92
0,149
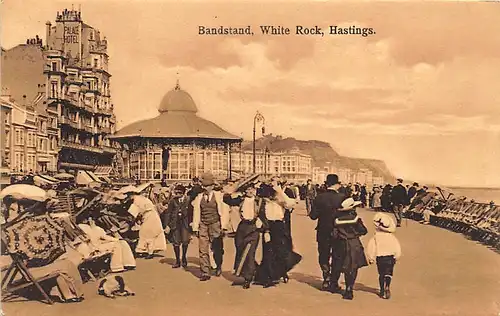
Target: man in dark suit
x,y
323,209
399,199
310,195
412,191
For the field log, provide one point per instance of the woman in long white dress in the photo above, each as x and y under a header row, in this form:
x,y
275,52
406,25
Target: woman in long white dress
x,y
151,236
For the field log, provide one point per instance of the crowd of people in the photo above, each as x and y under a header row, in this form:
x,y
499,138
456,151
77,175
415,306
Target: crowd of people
x,y
106,229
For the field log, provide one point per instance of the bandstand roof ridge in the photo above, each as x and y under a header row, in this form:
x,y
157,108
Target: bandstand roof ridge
x,y
177,119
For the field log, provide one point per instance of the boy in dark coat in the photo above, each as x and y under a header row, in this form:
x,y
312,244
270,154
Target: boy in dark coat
x,y
176,222
348,252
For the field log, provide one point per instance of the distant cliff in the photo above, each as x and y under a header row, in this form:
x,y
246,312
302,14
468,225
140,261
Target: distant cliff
x,y
321,153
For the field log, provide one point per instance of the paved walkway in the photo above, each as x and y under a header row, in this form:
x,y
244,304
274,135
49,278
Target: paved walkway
x,y
440,273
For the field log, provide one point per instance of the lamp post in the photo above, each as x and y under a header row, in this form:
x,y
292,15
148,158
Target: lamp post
x,y
257,118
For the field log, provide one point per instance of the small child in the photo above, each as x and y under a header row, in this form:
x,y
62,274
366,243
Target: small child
x,y
384,248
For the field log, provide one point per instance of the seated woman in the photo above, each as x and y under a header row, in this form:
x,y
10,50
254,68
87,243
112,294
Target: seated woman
x,y
122,257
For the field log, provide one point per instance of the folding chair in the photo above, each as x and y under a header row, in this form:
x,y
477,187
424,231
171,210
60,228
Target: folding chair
x,y
11,285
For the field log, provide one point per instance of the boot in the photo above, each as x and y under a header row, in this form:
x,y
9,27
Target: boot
x,y
177,260
325,286
381,281
246,285
334,282
218,271
387,289
184,255
348,294
286,278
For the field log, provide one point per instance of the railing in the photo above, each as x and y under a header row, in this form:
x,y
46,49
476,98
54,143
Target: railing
x,y
109,149
69,144
89,128
106,130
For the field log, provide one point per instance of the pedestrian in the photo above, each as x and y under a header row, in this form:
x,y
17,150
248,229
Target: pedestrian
x,y
277,256
348,251
247,236
310,195
384,249
210,218
399,198
176,223
325,206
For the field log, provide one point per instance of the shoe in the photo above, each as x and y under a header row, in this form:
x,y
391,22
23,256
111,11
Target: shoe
x,y
149,257
268,284
286,279
184,263
387,292
325,286
246,285
176,265
348,295
335,288
381,293
204,278
218,272
129,267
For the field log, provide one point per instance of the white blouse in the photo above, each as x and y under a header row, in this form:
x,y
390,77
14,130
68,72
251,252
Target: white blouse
x,y
274,211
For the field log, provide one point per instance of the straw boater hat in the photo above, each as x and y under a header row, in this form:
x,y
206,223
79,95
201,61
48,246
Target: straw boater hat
x,y
349,204
384,223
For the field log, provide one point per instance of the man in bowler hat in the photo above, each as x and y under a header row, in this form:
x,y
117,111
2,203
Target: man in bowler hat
x,y
324,207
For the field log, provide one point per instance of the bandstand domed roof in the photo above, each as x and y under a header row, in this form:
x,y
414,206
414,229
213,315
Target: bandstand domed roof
x,y
177,100
177,119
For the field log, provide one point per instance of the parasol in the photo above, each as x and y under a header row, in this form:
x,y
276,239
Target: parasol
x,y
25,191
128,189
246,182
36,239
64,176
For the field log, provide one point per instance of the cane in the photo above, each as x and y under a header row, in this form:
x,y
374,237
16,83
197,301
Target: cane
x,y
243,259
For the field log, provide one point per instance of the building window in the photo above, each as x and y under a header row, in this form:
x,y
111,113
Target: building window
x,y
54,66
96,62
53,89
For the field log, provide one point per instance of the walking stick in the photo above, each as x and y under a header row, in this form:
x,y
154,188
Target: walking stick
x,y
243,259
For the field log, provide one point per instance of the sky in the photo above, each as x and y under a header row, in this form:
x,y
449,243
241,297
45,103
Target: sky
x,y
422,94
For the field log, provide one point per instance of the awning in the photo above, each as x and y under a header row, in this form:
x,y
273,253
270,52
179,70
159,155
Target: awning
x,y
105,179
44,180
85,177
103,170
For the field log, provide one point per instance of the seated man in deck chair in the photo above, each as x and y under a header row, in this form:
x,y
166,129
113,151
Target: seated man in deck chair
x,y
122,257
68,287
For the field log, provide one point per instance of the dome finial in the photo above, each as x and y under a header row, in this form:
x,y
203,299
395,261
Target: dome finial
x,y
177,86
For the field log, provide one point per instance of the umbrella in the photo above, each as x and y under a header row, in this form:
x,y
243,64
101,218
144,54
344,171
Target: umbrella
x,y
144,186
128,189
64,176
245,183
25,191
36,239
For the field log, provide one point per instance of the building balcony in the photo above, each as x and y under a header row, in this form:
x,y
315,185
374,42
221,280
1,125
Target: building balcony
x,y
73,145
106,130
89,129
108,149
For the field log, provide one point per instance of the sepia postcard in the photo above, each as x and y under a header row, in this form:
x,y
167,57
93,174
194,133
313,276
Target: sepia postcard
x,y
250,158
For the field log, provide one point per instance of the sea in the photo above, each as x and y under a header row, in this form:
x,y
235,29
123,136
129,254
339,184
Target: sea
x,y
482,195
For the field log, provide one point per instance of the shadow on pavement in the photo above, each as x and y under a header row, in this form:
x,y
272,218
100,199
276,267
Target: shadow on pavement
x,y
235,281
310,280
171,261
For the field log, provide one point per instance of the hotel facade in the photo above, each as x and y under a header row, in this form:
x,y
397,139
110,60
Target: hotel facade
x,y
67,84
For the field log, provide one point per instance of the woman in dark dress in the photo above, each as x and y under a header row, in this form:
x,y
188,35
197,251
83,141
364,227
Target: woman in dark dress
x,y
176,222
348,251
277,257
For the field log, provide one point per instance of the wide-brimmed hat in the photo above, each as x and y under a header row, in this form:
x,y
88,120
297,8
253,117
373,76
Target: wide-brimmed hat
x,y
207,179
349,204
384,223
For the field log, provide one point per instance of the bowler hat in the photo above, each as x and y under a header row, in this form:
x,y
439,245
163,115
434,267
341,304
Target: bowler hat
x,y
332,179
207,179
400,180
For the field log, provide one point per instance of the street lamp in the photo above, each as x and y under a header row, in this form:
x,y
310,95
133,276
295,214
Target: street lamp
x,y
257,118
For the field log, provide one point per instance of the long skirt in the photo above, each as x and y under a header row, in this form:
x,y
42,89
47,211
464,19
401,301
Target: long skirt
x,y
151,236
348,255
247,235
277,256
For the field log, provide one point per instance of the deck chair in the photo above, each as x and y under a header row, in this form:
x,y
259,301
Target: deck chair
x,y
10,284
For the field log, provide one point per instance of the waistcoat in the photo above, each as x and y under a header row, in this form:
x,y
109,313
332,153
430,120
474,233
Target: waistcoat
x,y
209,213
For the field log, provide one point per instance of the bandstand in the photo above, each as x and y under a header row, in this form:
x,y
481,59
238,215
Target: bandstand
x,y
179,139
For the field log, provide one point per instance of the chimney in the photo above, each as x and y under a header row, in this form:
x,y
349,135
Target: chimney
x,y
24,100
48,29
